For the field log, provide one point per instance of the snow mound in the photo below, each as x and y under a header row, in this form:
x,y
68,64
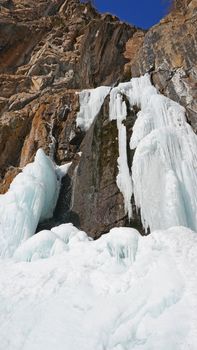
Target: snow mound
x,y
31,198
122,244
40,246
49,243
123,291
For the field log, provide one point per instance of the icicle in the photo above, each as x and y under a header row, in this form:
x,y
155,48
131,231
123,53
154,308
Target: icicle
x,y
123,179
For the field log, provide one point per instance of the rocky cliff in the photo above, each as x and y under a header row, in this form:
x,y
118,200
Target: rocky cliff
x,y
51,50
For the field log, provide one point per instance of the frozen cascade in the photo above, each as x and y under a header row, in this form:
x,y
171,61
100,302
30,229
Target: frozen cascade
x,y
31,198
164,166
91,102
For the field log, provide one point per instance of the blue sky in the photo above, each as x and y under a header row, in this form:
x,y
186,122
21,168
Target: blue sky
x,y
142,13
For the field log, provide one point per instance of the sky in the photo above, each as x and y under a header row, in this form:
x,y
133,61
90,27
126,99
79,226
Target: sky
x,y
142,13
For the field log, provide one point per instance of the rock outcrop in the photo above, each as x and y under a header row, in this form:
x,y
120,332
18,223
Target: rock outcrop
x,y
169,53
51,50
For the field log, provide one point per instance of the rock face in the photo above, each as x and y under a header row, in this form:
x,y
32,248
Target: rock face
x,y
49,51
169,52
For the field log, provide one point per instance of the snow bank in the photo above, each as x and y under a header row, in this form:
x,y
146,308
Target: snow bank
x,y
91,102
122,291
31,198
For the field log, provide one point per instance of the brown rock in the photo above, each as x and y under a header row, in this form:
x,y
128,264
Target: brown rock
x,y
169,52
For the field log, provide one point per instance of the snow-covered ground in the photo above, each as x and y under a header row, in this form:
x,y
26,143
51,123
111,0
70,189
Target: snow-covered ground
x,y
120,292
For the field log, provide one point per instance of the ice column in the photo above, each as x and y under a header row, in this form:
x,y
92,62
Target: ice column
x,y
31,198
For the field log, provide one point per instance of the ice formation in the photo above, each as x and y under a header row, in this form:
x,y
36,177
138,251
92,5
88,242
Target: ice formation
x,y
164,172
121,292
91,102
118,111
61,290
49,243
31,198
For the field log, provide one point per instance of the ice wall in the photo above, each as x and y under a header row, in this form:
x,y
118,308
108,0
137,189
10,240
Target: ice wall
x,y
164,166
31,198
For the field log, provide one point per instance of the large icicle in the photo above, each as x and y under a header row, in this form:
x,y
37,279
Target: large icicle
x,y
91,102
31,198
118,111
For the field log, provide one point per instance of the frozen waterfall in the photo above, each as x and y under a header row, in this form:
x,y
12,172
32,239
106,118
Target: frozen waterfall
x,y
164,175
60,289
31,198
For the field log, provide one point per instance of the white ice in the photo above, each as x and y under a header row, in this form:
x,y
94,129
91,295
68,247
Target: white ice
x,y
164,176
49,243
121,292
91,102
31,198
124,181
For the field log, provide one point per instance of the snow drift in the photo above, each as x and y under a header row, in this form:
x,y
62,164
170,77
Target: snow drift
x,y
121,292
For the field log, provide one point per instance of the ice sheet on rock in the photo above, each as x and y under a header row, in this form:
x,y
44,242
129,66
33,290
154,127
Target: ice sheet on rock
x,y
123,179
91,102
31,198
122,291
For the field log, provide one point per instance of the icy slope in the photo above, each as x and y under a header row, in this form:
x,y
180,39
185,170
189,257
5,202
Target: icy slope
x,y
120,292
31,198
